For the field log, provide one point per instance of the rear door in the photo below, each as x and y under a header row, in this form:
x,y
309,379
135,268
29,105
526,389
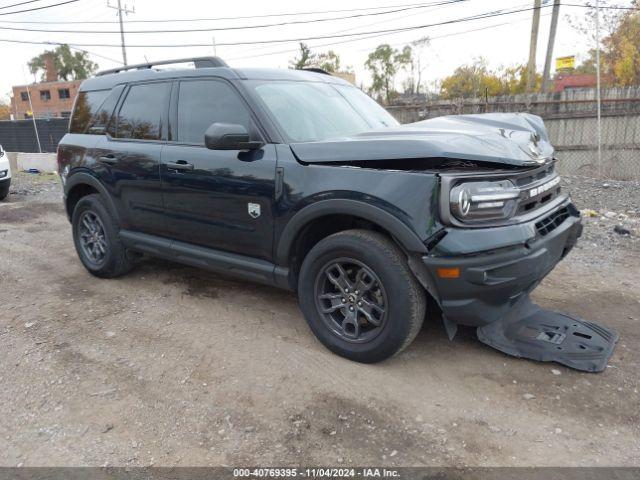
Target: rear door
x,y
220,199
129,156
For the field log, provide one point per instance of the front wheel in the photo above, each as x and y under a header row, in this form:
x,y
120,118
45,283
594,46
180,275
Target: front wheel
x,y
359,297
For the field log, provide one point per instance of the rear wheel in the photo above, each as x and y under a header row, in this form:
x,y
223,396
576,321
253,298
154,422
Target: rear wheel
x,y
359,296
96,239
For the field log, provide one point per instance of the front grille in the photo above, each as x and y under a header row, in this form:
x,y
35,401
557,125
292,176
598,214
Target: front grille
x,y
552,221
537,175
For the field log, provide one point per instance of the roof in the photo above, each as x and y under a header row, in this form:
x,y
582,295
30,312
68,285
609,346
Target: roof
x,y
107,81
57,83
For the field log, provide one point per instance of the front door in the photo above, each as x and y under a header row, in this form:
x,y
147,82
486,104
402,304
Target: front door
x,y
220,199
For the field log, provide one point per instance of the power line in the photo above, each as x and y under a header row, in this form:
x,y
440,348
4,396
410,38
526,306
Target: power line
x,y
375,36
243,27
96,54
18,4
287,14
288,50
84,22
495,13
44,7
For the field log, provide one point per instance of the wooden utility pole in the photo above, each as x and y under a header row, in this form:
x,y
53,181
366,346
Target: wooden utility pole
x,y
122,10
531,66
546,78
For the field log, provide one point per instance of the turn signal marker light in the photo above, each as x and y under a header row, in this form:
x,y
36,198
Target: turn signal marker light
x,y
449,272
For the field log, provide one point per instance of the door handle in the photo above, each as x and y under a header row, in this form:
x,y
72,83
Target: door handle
x,y
108,159
179,165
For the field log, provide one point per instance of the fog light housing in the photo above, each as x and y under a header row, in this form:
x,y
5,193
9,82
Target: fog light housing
x,y
3,173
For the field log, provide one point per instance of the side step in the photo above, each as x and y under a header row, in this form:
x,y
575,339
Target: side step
x,y
529,331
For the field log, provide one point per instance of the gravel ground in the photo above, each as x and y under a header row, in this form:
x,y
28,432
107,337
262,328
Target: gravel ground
x,y
608,207
170,365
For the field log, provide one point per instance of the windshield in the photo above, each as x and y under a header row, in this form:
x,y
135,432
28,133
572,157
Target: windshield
x,y
309,111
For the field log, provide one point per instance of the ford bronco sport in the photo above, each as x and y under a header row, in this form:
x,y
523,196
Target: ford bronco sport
x,y
298,179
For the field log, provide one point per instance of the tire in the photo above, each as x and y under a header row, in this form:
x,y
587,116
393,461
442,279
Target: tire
x,y
4,189
111,259
374,262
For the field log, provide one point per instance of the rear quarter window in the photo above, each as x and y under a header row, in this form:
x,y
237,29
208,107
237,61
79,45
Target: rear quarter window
x,y
86,106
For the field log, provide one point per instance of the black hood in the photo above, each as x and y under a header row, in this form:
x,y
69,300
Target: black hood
x,y
518,139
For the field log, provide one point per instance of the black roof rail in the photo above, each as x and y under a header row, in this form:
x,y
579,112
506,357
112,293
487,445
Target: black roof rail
x,y
316,70
200,62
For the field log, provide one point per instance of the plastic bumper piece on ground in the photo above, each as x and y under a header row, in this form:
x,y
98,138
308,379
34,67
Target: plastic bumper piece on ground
x,y
528,331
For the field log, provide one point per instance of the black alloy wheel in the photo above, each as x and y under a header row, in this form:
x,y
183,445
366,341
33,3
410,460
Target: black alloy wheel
x,y
351,300
92,236
96,238
359,296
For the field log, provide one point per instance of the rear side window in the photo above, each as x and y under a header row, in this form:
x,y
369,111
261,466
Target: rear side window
x,y
87,104
142,112
203,102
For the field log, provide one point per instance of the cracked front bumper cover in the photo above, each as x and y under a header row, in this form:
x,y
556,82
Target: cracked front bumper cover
x,y
492,281
492,291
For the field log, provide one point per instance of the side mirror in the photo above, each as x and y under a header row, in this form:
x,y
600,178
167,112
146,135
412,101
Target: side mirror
x,y
229,136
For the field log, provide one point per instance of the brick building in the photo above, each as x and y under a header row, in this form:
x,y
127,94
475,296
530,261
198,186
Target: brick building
x,y
50,99
568,81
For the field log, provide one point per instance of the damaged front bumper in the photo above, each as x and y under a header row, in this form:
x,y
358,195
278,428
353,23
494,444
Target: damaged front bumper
x,y
490,281
489,288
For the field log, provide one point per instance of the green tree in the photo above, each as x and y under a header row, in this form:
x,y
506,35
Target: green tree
x,y
5,111
70,65
384,63
473,80
620,45
514,80
305,58
413,82
476,80
327,61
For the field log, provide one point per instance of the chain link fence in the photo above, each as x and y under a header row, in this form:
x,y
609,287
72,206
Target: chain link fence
x,y
571,119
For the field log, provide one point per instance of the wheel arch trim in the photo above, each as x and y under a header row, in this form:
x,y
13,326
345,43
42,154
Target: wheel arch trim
x,y
407,238
83,178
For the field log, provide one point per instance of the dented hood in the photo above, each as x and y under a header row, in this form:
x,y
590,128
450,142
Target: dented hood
x,y
518,139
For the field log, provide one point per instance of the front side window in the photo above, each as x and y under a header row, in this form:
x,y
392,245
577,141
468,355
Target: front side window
x,y
314,111
204,102
141,115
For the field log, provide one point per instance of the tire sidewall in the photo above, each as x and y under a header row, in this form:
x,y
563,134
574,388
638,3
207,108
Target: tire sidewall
x,y
398,322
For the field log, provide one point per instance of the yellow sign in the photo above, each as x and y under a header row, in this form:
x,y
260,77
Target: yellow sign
x,y
565,62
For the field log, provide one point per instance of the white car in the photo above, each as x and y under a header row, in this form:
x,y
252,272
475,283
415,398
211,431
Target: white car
x,y
5,174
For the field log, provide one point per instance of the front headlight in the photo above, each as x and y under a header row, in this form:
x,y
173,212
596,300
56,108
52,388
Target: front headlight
x,y
482,201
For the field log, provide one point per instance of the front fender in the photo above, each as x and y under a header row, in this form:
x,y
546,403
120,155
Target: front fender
x,y
407,238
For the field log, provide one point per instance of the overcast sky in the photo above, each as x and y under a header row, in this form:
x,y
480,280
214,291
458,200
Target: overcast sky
x,y
502,40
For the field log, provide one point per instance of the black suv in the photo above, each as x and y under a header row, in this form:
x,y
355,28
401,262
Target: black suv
x,y
298,179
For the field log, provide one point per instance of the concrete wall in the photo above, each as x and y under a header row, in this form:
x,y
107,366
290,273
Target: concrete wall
x,y
45,162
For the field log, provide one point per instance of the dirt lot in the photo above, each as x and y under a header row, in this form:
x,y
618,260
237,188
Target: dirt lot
x,y
173,366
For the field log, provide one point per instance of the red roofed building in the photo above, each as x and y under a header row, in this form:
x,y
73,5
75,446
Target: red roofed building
x,y
563,81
